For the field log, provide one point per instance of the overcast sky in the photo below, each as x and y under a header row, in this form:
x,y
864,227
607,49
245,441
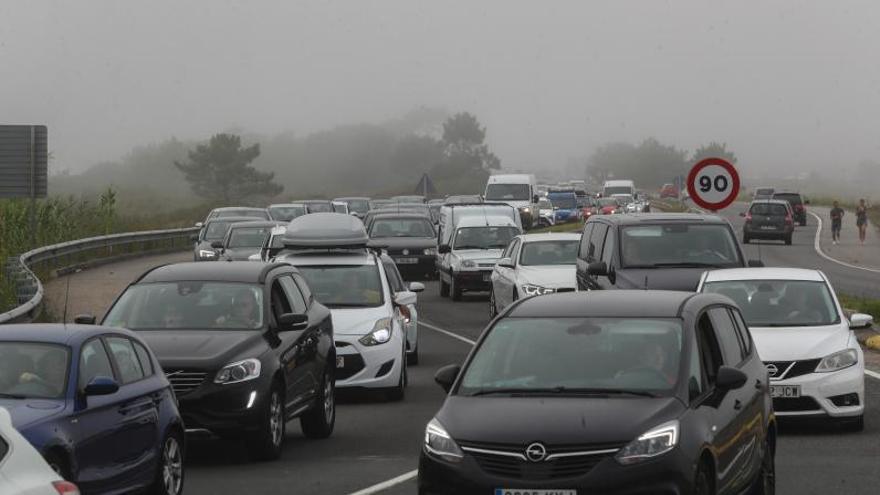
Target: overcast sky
x,y
783,83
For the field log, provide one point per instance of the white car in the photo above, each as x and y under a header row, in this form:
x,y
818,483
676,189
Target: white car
x,y
271,246
532,265
370,317
815,364
23,471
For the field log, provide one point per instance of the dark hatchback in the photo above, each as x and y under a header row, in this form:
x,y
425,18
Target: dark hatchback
x,y
664,251
768,219
94,402
410,241
244,239
644,392
210,238
797,203
245,346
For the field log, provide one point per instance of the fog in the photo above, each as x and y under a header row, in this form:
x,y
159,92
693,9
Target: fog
x,y
788,85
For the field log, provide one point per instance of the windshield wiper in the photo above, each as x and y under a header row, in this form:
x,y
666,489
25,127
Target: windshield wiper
x,y
687,264
12,396
471,247
559,391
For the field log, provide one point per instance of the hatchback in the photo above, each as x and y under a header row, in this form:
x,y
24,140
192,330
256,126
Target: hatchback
x,y
768,219
797,203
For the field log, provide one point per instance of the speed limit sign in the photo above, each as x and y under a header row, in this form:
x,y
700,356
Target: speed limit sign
x,y
713,183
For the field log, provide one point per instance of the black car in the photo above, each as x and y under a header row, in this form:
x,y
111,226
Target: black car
x,y
643,392
245,239
666,251
797,203
768,219
245,346
410,240
239,211
210,239
317,205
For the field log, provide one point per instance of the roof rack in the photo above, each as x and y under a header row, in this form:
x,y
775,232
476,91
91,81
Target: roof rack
x,y
325,231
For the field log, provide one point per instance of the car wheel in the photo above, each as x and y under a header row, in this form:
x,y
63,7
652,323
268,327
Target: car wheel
x,y
266,444
766,482
788,240
456,290
398,392
703,482
493,309
59,464
444,288
854,424
169,478
319,421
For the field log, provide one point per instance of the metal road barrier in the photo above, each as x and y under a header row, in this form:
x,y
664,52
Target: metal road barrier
x,y
72,255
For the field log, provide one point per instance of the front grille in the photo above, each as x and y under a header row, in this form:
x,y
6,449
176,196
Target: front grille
x,y
565,289
791,369
508,466
795,404
184,381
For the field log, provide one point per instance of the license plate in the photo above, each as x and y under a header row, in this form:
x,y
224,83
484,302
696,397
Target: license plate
x,y
528,491
768,227
340,361
406,261
487,277
785,391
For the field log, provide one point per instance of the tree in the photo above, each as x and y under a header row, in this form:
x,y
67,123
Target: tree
x,y
220,171
714,149
414,155
650,164
463,141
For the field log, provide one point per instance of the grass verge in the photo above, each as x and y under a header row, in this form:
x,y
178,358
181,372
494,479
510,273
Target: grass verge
x,y
861,305
564,227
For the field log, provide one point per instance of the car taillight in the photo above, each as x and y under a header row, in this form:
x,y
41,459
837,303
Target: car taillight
x,y
788,218
65,488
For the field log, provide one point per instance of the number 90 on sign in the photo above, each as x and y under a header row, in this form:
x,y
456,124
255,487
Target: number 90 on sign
x,y
713,184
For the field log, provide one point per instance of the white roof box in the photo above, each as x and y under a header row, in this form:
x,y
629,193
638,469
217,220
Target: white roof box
x,y
326,231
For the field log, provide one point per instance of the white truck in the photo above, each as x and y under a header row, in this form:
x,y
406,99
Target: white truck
x,y
519,191
613,187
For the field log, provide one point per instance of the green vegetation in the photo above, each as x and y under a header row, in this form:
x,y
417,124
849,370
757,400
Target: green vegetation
x,y
861,305
563,227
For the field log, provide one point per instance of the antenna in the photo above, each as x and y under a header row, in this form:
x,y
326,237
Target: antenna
x,y
67,295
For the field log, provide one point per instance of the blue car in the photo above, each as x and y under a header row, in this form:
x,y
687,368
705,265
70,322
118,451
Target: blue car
x,y
95,403
565,206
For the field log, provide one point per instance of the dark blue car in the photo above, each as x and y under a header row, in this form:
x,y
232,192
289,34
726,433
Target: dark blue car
x,y
565,206
95,403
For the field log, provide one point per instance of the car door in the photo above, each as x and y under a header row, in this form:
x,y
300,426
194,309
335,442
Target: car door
x,y
594,254
296,353
507,277
408,318
583,256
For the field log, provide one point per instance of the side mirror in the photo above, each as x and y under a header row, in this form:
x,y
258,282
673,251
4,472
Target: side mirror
x,y
535,198
85,319
101,385
505,263
405,298
217,245
289,322
756,264
199,224
416,287
444,249
860,320
445,376
730,378
597,268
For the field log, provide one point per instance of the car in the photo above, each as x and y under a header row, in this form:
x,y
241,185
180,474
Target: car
x,y
318,205
797,203
93,401
462,199
211,236
627,203
273,244
518,191
357,206
565,206
416,208
546,213
412,198
238,211
768,219
669,191
22,469
614,392
608,206
370,317
763,193
287,211
244,239
245,346
534,265
381,203
668,251
340,207
815,362
410,240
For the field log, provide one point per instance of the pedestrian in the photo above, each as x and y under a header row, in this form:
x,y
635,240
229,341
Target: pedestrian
x,y
862,220
836,222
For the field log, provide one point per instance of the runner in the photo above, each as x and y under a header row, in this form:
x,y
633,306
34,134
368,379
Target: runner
x,y
862,220
836,222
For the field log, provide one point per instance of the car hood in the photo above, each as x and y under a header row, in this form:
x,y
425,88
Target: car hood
x,y
685,279
356,321
548,276
240,254
512,202
27,412
478,254
404,242
799,343
554,420
202,349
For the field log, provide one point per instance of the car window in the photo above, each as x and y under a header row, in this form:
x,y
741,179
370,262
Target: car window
x,y
696,373
303,288
742,331
144,358
484,237
597,240
794,199
126,360
93,362
345,286
401,227
514,252
393,276
544,253
279,303
769,209
297,301
608,247
33,369
509,249
216,230
247,237
679,244
726,332
710,351
780,303
584,249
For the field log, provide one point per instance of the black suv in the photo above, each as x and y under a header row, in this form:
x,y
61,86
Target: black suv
x,y
654,251
245,347
643,392
797,203
768,219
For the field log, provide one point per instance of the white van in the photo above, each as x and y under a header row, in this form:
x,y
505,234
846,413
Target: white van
x,y
519,191
613,187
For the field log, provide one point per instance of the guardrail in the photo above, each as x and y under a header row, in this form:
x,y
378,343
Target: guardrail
x,y
68,256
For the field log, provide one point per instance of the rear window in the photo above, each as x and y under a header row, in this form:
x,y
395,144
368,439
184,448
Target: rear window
x,y
773,210
794,199
679,245
764,192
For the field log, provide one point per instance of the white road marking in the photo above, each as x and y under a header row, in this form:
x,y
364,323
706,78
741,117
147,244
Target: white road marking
x,y
818,248
872,374
403,478
447,332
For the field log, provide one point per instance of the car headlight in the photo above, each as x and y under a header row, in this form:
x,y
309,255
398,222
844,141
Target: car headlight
x,y
525,209
237,372
654,442
430,251
380,334
838,361
439,443
536,290
205,253
468,264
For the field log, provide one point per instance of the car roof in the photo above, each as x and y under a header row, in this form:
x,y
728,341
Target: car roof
x,y
209,271
604,304
770,201
484,221
313,258
786,192
313,201
281,205
56,333
257,223
351,198
765,273
660,218
246,208
402,215
550,236
232,219
326,230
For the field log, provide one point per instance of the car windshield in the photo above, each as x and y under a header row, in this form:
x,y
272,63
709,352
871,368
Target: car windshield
x,y
344,286
576,355
286,213
679,245
609,191
33,370
358,205
261,214
545,204
764,192
402,227
768,209
188,305
793,199
780,303
484,237
216,230
248,237
549,253
507,192
603,202
567,201
320,207
624,199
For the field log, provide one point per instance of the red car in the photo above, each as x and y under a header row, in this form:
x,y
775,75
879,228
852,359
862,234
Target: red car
x,y
607,206
669,191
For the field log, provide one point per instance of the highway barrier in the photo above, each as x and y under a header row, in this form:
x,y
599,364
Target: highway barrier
x,y
66,257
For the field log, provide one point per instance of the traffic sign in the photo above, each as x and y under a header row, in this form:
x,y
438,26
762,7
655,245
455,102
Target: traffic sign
x,y
713,183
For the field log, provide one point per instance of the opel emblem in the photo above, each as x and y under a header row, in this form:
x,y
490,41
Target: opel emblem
x,y
405,252
536,452
772,369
